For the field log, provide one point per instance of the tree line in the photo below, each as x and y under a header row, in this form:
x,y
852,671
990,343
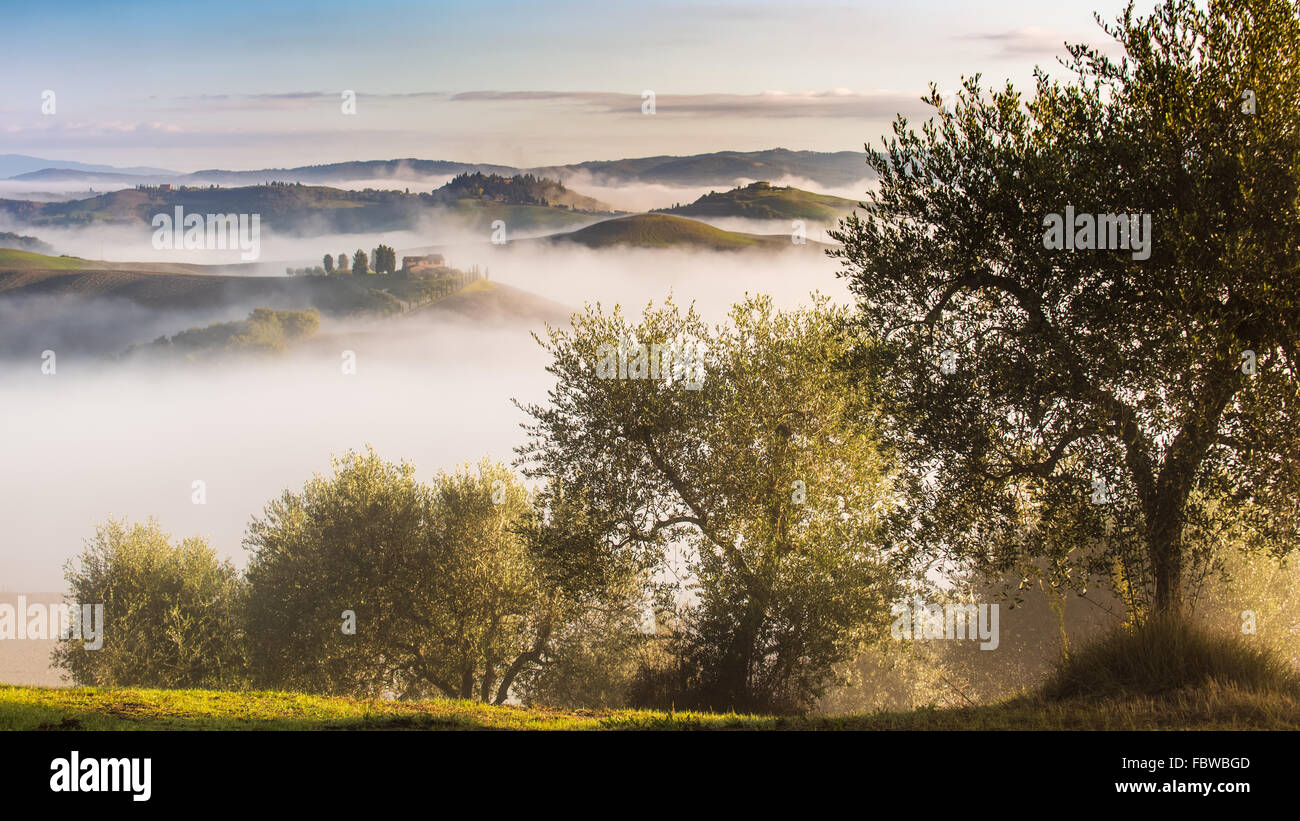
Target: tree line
x,y
381,260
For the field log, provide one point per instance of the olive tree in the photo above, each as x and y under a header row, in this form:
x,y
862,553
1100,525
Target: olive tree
x,y
735,449
1104,394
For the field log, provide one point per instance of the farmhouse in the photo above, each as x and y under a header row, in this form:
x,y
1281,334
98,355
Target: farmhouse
x,y
425,267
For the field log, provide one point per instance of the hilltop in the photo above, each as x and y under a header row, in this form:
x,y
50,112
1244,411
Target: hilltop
x,y
521,189
761,200
179,286
667,231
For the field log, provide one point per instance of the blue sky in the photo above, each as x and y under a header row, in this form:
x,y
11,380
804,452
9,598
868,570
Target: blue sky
x,y
254,84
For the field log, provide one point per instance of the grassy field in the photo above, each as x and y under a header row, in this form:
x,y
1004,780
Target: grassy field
x,y
43,708
15,260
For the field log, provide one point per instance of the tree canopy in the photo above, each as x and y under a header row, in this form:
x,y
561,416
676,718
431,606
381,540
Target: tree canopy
x,y
1095,407
739,449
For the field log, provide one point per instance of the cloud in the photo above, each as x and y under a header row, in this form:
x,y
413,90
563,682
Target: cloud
x,y
1025,42
835,103
98,128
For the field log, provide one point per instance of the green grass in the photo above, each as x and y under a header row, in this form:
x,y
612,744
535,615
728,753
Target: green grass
x,y
1212,706
11,259
1165,655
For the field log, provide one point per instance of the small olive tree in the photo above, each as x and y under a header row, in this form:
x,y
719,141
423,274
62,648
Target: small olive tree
x,y
172,612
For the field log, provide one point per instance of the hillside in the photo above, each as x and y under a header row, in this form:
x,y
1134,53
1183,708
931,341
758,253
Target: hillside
x,y
12,165
20,242
404,169
667,231
16,260
763,201
521,189
12,259
485,301
57,294
292,208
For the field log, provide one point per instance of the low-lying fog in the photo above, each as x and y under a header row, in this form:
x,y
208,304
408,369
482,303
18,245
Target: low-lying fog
x,y
101,438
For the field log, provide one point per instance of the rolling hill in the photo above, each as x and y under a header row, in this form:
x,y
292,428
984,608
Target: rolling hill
x,y
62,297
16,164
486,301
308,210
667,231
761,200
521,189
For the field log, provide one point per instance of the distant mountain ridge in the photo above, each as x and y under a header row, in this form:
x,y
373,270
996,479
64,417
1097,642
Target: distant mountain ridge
x,y
723,168
832,170
12,165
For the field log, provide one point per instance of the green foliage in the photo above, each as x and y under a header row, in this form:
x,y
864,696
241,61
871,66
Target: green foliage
x,y
519,190
329,263
265,331
360,265
450,590
20,242
385,260
172,611
785,582
382,302
1092,367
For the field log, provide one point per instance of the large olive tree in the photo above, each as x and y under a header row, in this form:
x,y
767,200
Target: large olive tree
x,y
1100,407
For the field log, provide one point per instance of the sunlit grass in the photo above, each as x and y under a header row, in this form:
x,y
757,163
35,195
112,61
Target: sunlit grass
x,y
1212,706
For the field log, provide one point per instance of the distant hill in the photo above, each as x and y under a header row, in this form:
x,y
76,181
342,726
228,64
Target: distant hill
x,y
404,169
15,260
833,170
292,208
20,242
172,286
721,168
521,189
763,201
667,231
486,301
106,178
12,164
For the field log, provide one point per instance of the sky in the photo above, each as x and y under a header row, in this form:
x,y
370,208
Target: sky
x,y
245,85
